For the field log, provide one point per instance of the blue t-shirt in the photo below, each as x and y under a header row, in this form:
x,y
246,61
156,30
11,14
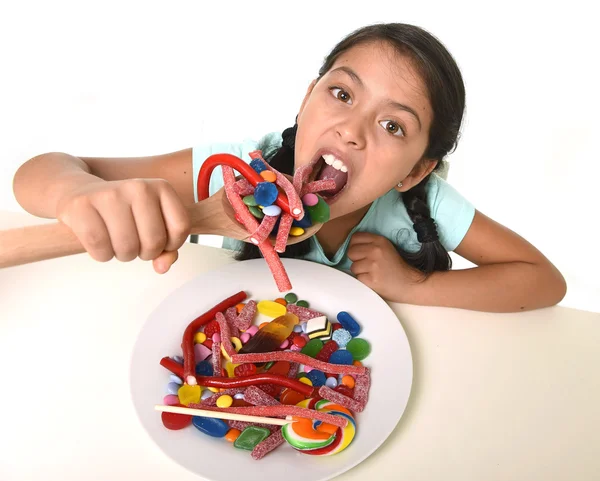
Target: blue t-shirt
x,y
387,216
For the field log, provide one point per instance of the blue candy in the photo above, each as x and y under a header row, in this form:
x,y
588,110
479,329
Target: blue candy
x,y
317,377
348,322
175,379
341,356
304,222
265,193
178,359
204,368
173,388
342,337
258,166
216,428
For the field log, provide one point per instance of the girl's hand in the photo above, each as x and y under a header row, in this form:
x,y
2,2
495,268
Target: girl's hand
x,y
377,264
126,219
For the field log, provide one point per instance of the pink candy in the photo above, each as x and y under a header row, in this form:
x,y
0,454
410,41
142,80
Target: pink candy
x,y
245,337
310,199
201,352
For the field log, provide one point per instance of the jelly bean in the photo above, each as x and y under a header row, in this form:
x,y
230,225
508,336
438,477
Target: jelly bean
x,y
317,377
176,421
204,368
199,338
341,356
176,379
232,435
250,437
312,347
342,337
270,309
281,301
296,231
206,394
284,344
189,394
201,352
306,380
348,322
245,337
299,341
224,401
178,359
216,428
258,165
359,348
302,304
256,212
265,193
319,213
252,330
211,328
331,382
291,298
173,388
348,380
171,400
310,200
268,176
272,210
216,337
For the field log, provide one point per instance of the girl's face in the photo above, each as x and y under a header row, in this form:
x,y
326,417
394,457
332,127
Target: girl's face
x,y
369,116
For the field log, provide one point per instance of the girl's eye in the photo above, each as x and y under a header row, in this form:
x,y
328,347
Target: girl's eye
x,y
392,127
341,95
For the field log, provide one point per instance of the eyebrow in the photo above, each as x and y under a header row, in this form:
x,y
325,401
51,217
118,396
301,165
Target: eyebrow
x,y
397,105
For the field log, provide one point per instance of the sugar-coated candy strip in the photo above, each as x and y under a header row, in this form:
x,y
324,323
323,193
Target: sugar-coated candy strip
x,y
294,368
231,315
293,356
241,425
187,344
245,318
216,360
264,229
339,398
296,209
303,313
225,335
301,176
243,188
285,225
317,186
255,379
362,386
280,275
267,445
258,397
282,410
212,401
228,161
241,211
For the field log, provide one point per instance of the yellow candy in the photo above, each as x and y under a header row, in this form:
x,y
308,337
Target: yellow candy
x,y
305,403
199,338
224,401
213,389
271,309
229,368
189,394
296,231
237,344
225,355
305,380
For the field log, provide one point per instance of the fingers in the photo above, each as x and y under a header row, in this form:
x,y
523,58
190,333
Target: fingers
x,y
176,219
164,261
357,252
150,227
121,227
363,238
361,267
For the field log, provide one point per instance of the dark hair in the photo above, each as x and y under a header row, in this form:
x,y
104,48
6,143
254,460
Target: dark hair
x,y
446,91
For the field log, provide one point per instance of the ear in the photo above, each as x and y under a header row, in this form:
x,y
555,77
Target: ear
x,y
419,172
307,96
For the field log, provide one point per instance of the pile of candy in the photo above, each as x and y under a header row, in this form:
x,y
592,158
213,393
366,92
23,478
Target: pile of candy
x,y
283,207
295,365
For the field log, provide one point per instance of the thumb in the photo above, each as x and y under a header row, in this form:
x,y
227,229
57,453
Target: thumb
x,y
164,261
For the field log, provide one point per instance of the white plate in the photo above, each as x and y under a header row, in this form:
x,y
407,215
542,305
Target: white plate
x,y
328,291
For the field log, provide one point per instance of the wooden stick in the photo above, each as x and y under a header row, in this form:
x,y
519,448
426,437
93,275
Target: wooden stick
x,y
222,415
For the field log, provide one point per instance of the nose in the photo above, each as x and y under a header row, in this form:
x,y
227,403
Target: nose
x,y
351,131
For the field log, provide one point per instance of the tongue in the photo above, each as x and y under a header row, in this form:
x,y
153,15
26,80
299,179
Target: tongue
x,y
340,178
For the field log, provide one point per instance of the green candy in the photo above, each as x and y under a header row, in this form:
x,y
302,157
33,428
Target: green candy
x,y
269,365
313,347
291,298
319,212
359,348
249,200
250,437
302,304
256,212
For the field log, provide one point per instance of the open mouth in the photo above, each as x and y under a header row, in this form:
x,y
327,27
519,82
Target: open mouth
x,y
328,166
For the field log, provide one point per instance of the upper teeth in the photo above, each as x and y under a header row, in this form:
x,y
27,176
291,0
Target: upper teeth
x,y
336,163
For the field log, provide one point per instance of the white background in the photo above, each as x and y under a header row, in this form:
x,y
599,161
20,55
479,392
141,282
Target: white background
x,y
123,78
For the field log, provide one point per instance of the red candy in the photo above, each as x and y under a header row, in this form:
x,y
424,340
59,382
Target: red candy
x,y
264,229
257,379
212,328
299,341
244,370
258,397
345,390
176,421
303,313
285,225
328,349
265,447
341,399
225,335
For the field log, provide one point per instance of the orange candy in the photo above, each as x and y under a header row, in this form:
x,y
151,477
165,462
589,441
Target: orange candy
x,y
232,435
281,301
357,363
262,325
348,381
290,397
268,176
239,307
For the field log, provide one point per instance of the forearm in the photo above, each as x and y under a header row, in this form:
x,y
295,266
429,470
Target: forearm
x,y
507,287
41,182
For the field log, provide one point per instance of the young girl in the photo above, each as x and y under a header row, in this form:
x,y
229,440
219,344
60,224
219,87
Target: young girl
x,y
379,119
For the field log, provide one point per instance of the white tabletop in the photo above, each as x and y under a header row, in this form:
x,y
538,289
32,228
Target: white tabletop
x,y
495,396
